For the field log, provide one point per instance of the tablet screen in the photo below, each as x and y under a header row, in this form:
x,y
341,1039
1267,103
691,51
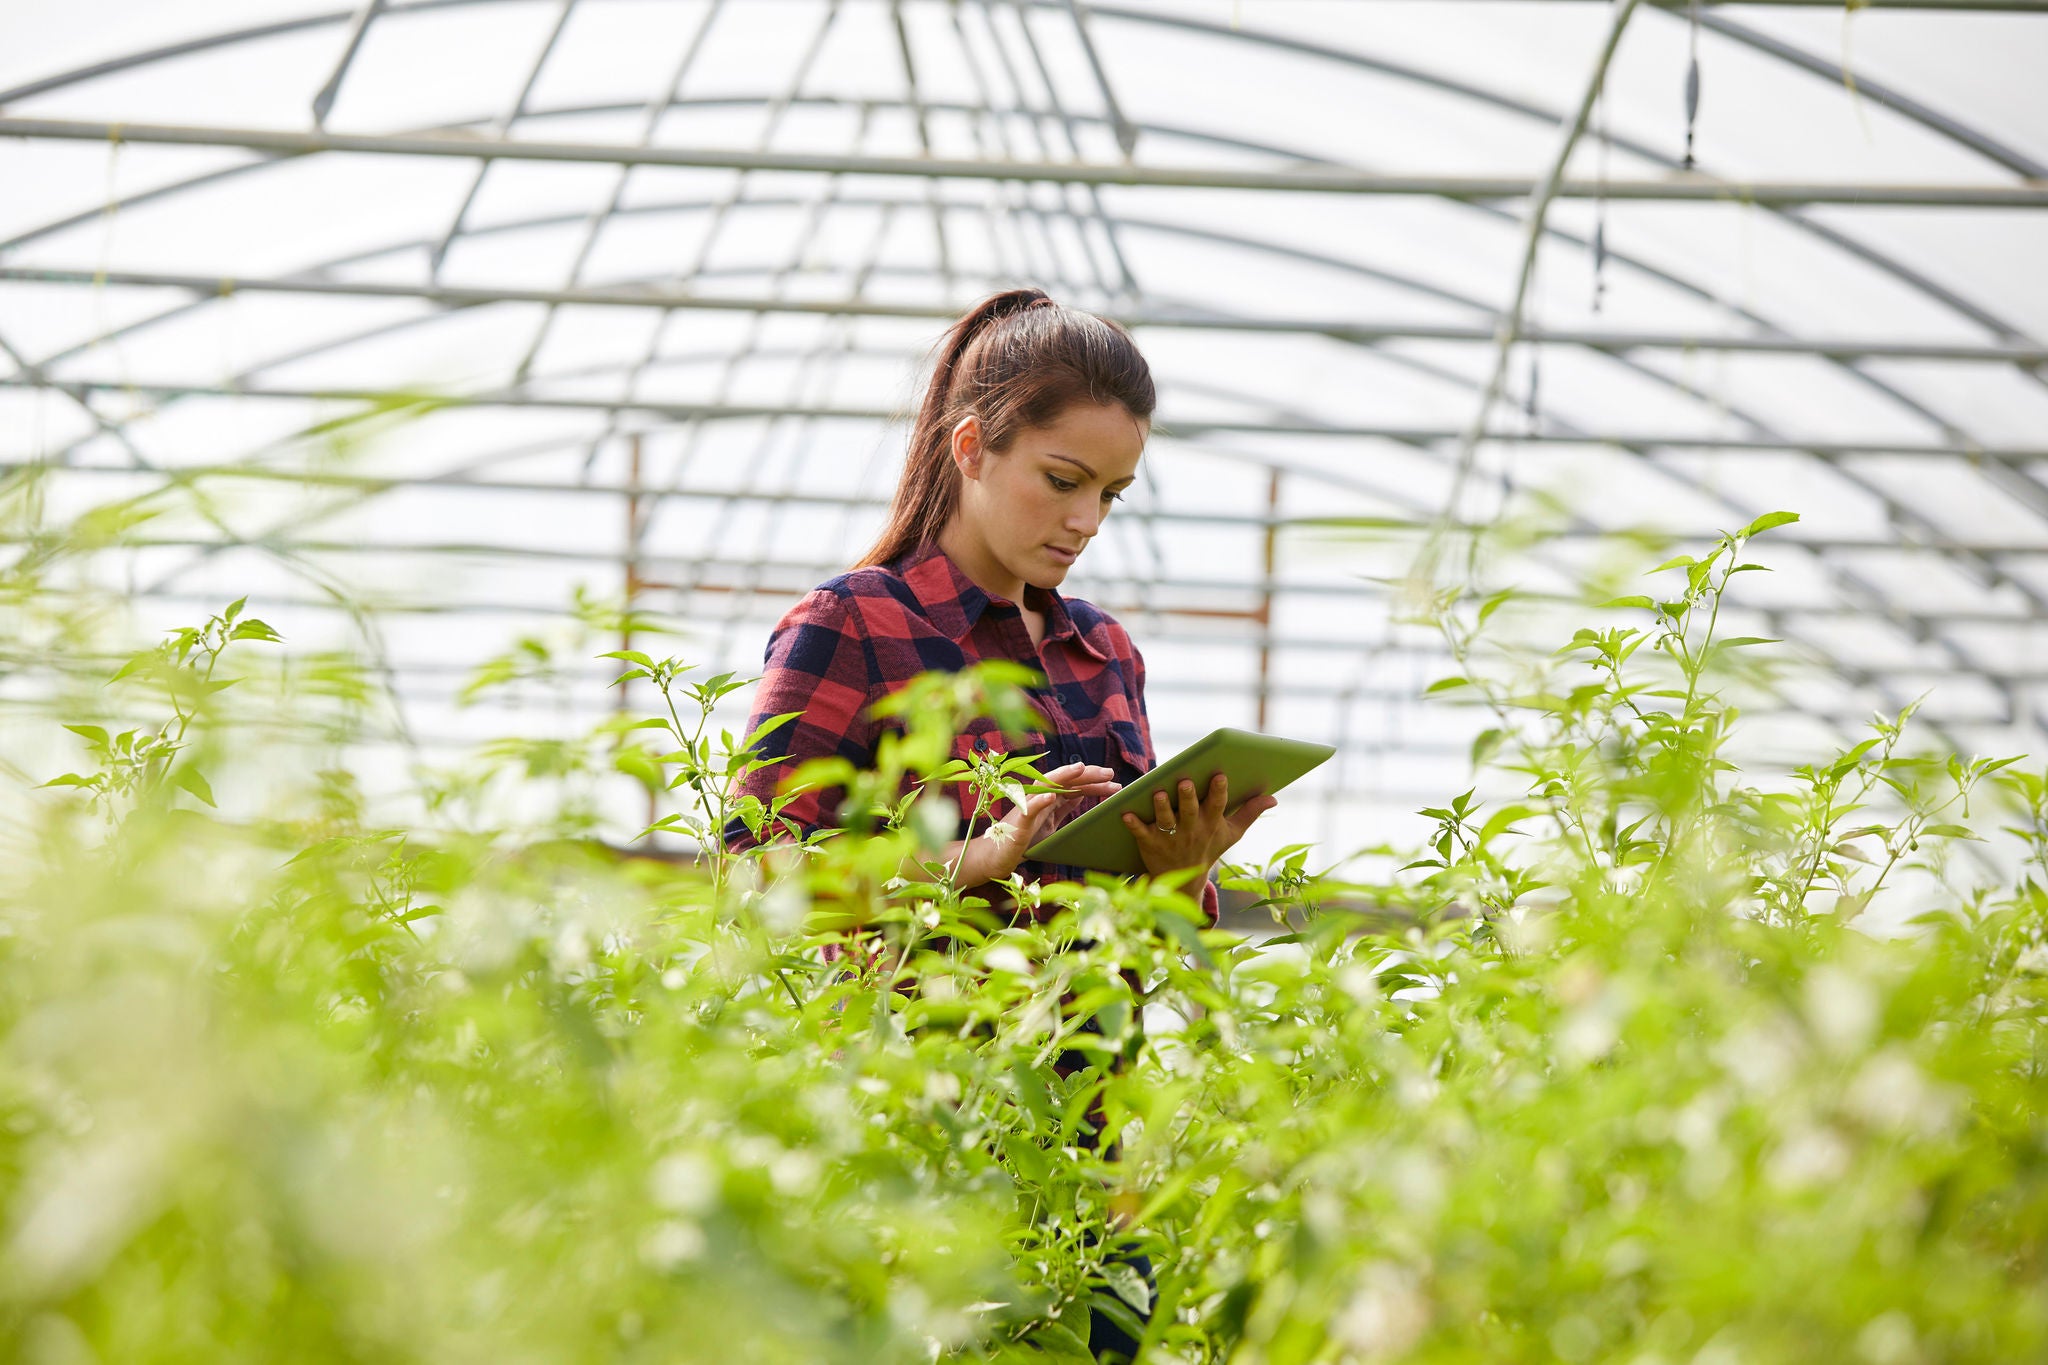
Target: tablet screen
x,y
1253,763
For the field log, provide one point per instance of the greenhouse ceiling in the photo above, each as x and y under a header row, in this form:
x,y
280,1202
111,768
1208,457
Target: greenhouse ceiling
x,y
432,313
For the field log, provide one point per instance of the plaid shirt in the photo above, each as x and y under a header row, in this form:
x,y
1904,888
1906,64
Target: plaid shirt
x,y
864,634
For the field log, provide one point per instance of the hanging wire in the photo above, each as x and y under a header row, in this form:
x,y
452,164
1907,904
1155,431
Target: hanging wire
x,y
1599,244
1531,396
1692,82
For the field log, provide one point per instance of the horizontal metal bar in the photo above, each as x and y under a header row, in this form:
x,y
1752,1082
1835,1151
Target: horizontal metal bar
x,y
1308,179
1779,615
1165,426
655,567
741,496
1778,620
471,296
414,680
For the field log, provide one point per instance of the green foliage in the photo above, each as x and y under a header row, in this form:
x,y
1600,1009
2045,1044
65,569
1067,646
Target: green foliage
x,y
1604,1072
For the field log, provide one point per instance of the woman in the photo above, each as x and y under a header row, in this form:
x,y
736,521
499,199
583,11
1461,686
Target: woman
x,y
1031,429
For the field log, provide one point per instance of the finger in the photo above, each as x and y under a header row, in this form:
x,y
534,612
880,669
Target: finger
x,y
1218,799
1032,804
1143,832
1079,774
1033,814
1162,810
1250,811
1190,804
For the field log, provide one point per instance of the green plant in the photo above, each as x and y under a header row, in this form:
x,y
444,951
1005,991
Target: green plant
x,y
1604,1072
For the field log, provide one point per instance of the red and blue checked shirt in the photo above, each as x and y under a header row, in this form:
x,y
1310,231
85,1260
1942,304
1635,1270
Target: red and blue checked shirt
x,y
864,634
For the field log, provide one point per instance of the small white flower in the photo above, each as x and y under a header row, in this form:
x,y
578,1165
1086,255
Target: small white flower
x,y
1842,1008
685,1182
672,1243
793,1173
1888,1339
1810,1156
1386,1314
1007,957
1891,1093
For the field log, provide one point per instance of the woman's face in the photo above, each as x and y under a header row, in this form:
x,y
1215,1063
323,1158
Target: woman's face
x,y
1029,511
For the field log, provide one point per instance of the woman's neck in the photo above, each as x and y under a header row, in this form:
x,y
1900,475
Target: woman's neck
x,y
982,568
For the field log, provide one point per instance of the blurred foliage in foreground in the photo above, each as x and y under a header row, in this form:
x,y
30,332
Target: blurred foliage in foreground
x,y
1624,1082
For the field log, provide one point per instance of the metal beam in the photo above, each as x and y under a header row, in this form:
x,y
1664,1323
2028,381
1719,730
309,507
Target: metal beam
x,y
1166,427
473,296
2027,194
610,555
1106,596
1491,97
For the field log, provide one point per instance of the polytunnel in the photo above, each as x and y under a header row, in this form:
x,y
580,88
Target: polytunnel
x,y
438,312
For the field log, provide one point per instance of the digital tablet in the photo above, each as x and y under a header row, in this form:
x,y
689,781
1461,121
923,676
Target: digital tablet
x,y
1255,764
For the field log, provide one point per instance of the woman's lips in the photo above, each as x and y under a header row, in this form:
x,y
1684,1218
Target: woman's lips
x,y
1063,556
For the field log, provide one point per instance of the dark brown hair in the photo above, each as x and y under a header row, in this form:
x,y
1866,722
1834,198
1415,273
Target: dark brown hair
x,y
1018,359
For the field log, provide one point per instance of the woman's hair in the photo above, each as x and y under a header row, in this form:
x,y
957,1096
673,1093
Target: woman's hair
x,y
1018,359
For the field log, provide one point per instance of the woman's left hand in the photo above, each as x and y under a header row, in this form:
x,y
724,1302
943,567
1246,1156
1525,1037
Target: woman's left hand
x,y
1198,832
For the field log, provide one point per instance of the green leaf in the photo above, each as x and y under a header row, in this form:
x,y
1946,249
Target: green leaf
x,y
1446,684
1633,600
1767,521
769,727
190,778
253,629
1061,1345
1484,744
1128,1284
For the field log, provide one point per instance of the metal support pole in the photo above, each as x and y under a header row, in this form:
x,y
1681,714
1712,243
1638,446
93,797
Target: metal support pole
x,y
2027,194
1268,563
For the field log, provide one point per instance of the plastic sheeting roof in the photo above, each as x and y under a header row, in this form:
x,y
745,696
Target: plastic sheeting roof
x,y
680,260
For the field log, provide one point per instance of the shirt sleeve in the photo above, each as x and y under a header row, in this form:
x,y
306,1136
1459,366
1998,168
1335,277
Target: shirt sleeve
x,y
1212,907
819,664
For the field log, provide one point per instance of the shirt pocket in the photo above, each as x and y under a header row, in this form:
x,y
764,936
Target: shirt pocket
x,y
1127,751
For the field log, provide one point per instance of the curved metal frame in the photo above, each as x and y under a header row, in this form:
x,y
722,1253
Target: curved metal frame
x,y
1899,271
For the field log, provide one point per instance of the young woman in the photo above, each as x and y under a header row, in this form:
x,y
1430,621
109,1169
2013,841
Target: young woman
x,y
1031,429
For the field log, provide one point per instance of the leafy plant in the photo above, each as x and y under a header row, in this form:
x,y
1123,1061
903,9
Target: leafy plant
x,y
1603,1071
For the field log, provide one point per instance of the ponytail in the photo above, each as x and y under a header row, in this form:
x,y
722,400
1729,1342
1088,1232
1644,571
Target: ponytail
x,y
1016,360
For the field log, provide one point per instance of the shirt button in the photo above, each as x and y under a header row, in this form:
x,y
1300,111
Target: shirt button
x,y
980,744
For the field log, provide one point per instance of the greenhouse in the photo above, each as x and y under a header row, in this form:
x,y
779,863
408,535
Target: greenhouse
x,y
481,352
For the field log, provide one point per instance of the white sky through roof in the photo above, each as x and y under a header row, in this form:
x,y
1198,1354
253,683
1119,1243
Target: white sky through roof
x,y
1859,337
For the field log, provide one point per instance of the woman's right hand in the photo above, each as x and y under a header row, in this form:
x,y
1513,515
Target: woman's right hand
x,y
995,854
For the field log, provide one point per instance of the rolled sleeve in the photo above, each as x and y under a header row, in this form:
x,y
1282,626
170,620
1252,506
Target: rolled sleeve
x,y
818,665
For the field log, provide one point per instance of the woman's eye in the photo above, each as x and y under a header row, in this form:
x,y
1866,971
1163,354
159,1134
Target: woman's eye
x,y
1063,485
1112,497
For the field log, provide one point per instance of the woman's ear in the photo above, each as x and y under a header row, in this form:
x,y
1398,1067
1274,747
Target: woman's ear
x,y
967,447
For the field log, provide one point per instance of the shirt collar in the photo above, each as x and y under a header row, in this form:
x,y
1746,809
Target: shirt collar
x,y
954,602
